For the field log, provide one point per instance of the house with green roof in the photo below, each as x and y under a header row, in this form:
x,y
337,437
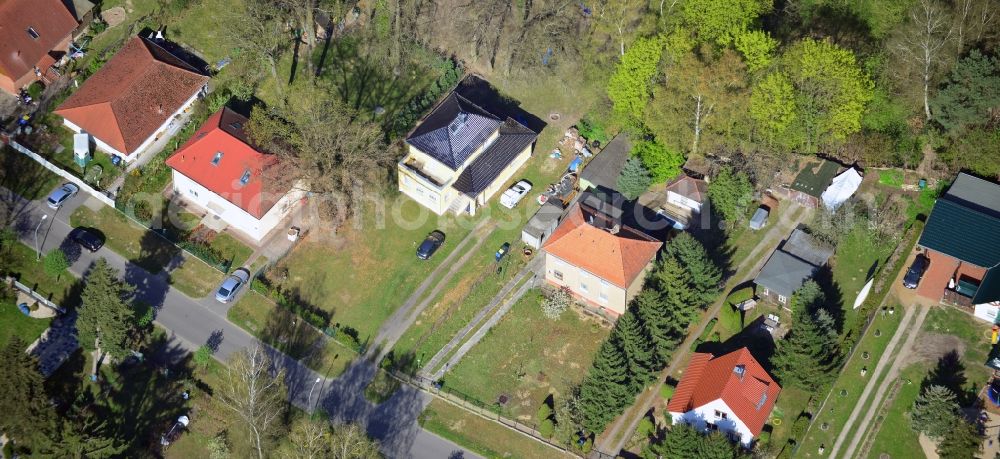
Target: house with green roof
x,y
962,241
809,185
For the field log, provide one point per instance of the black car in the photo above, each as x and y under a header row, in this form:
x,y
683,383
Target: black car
x,y
916,271
430,245
88,238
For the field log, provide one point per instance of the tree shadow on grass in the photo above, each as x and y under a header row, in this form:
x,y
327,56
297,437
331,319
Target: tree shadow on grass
x,y
950,372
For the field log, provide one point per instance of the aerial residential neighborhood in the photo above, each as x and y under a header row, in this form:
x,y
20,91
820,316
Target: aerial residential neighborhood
x,y
493,229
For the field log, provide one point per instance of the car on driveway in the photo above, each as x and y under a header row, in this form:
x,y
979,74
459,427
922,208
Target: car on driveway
x,y
514,194
430,245
88,238
916,271
61,195
231,286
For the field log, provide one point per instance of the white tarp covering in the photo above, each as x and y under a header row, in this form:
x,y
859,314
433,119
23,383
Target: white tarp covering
x,y
842,188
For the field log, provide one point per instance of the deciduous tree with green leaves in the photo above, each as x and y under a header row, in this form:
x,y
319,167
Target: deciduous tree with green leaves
x,y
721,21
55,263
106,316
629,85
661,163
730,193
757,48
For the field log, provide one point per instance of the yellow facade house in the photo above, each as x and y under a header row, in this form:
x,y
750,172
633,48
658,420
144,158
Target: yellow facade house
x,y
461,155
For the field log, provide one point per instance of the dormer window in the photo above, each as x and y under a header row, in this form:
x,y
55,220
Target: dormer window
x,y
31,32
245,178
217,158
459,122
236,125
739,370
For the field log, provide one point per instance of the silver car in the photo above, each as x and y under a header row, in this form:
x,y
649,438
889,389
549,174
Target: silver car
x,y
232,284
61,195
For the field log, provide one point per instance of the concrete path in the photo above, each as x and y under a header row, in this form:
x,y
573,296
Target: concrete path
x,y
614,437
191,323
531,269
872,407
395,326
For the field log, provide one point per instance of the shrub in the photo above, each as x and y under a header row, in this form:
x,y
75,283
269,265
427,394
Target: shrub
x,y
646,427
739,296
800,425
203,356
546,428
451,72
667,391
55,263
708,330
555,303
592,130
544,412
35,90
587,445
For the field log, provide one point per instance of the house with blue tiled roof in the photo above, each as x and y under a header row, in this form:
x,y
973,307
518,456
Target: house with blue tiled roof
x,y
460,155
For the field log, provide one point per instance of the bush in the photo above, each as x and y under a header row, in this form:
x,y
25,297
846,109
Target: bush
x,y
592,130
667,391
35,90
203,356
739,296
646,427
708,329
555,303
800,425
544,412
587,445
55,263
207,254
546,428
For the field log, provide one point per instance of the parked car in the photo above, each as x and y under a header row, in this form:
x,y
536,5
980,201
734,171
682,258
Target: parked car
x,y
916,271
232,284
88,238
430,245
61,195
514,194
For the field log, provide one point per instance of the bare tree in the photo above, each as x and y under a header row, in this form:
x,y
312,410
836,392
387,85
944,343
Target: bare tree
x,y
350,442
922,41
255,392
308,439
259,31
616,14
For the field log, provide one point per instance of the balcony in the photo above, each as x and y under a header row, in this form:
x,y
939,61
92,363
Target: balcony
x,y
417,168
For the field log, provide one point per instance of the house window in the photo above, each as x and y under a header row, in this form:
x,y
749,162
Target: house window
x,y
32,33
603,297
245,178
782,299
720,415
558,275
583,287
193,193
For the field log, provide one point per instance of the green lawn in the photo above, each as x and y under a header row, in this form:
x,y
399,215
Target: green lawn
x,y
199,28
149,251
838,407
290,334
59,290
482,436
895,436
891,177
527,357
856,254
14,323
370,269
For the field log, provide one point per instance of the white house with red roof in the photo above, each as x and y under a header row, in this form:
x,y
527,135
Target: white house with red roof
x,y
220,171
731,393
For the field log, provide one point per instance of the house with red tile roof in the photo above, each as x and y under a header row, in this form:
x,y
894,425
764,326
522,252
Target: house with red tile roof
x,y
34,35
600,260
731,393
221,172
135,99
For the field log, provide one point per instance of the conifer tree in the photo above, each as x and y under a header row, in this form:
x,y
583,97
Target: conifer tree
x,y
28,417
605,390
962,441
656,319
934,411
682,442
106,315
809,354
705,275
674,284
638,350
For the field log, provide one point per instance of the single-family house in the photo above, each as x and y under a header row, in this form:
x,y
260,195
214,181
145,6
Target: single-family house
x,y
460,155
796,260
34,36
602,261
962,241
133,99
221,171
604,169
731,393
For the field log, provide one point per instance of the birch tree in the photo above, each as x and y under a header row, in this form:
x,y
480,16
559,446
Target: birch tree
x,y
253,391
921,43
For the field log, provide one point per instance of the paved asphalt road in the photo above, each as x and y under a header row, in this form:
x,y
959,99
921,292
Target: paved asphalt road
x,y
191,322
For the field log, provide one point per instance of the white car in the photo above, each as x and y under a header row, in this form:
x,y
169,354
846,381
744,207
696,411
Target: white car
x,y
514,194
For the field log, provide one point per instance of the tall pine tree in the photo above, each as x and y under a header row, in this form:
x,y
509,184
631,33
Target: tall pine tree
x,y
638,350
809,354
674,284
663,328
28,417
106,315
704,274
605,391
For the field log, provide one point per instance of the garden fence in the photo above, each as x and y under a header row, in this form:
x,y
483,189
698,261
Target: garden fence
x,y
99,195
493,412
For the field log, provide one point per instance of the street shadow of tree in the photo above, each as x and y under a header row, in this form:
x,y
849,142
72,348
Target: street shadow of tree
x,y
22,176
157,254
950,372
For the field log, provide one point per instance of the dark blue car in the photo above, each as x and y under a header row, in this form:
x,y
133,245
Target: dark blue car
x,y
430,245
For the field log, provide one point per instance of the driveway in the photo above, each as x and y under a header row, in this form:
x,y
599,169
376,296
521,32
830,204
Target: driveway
x,y
192,322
